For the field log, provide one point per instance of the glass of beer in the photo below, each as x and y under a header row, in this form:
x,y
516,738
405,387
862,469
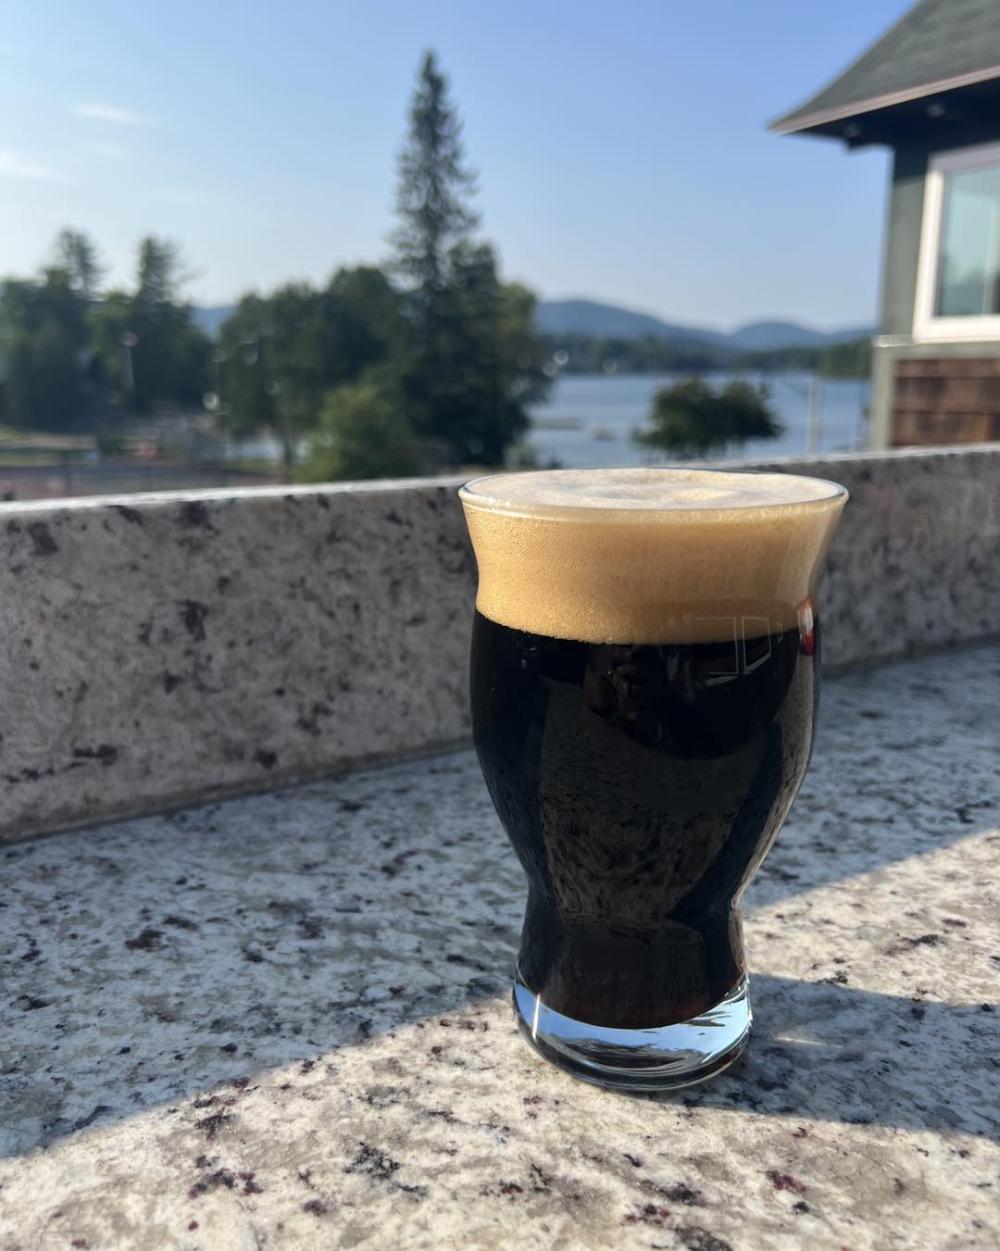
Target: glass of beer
x,y
644,677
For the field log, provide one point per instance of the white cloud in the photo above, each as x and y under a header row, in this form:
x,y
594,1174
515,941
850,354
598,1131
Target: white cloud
x,y
109,150
14,165
111,113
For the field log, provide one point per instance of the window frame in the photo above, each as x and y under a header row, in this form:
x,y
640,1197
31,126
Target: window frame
x,y
927,325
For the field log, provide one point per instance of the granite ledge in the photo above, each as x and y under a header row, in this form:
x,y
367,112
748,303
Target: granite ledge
x,y
169,649
282,1021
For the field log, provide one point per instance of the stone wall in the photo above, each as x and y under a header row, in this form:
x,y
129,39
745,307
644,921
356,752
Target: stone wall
x,y
159,650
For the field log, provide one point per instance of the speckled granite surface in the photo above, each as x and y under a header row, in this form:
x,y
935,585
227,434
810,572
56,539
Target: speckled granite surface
x,y
914,563
282,1022
168,648
160,650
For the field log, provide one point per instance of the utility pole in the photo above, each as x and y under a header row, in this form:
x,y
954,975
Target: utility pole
x,y
129,341
815,414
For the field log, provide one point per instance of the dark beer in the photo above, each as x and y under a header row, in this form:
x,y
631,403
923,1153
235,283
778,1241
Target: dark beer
x,y
640,787
644,682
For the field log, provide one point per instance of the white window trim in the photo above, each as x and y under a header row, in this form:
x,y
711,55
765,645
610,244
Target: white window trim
x,y
926,326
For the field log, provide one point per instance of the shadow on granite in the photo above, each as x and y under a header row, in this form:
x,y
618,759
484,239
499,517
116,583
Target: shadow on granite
x,y
820,1052
159,959
827,1052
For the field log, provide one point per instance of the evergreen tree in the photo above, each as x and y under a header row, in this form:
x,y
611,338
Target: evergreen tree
x,y
58,382
44,329
364,311
435,188
169,356
158,278
461,388
77,255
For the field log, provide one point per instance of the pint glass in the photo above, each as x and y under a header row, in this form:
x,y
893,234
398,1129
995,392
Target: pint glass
x,y
644,677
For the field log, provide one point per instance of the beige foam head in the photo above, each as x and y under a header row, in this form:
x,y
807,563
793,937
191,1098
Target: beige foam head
x,y
648,555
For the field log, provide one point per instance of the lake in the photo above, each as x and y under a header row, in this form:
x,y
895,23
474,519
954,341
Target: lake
x,y
588,419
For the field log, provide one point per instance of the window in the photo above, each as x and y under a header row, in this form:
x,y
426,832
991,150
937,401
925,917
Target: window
x,y
958,279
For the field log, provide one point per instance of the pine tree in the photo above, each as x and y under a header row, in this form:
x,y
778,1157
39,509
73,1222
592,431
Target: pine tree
x,y
460,391
435,188
169,358
77,255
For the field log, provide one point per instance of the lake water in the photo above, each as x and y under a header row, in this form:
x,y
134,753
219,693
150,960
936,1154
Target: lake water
x,y
588,420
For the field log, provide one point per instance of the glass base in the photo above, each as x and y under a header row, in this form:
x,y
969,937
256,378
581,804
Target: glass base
x,y
662,1058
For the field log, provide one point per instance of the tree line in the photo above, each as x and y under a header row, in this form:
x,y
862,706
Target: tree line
x,y
65,347
427,362
590,354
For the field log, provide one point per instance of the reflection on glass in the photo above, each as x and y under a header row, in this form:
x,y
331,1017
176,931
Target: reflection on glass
x,y
644,679
969,265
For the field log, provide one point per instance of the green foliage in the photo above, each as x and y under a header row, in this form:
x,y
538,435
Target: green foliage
x,y
110,320
169,362
589,354
461,386
522,353
57,383
43,330
271,365
363,434
111,443
76,254
692,418
779,360
279,355
26,305
19,391
435,189
366,321
470,359
158,272
847,360
63,343
444,368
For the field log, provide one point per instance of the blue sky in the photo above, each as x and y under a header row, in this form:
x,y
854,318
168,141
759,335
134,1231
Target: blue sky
x,y
622,148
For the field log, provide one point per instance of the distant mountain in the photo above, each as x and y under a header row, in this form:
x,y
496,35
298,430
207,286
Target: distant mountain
x,y
608,321
210,319
763,336
590,317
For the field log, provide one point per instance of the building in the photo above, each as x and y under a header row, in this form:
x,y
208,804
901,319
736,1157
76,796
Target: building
x,y
929,89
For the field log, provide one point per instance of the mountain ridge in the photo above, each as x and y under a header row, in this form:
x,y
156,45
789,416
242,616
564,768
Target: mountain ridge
x,y
596,319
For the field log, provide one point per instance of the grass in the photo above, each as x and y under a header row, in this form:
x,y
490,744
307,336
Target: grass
x,y
37,457
38,439
33,449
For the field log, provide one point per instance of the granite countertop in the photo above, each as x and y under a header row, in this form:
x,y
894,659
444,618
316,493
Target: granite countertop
x,y
283,1021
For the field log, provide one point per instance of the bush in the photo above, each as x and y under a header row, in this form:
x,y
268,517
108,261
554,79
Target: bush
x,y
363,433
692,418
111,443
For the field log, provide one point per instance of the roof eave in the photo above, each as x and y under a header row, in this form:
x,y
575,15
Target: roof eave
x,y
795,122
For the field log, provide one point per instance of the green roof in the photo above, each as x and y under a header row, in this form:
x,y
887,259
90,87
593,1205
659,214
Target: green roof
x,y
939,45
